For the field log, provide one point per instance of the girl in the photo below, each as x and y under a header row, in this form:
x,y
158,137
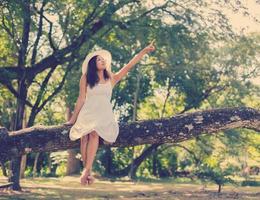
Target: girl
x,y
93,116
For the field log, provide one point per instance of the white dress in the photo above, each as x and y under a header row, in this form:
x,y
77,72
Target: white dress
x,y
96,114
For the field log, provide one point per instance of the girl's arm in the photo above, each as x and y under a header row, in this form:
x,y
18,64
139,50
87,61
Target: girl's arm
x,y
123,71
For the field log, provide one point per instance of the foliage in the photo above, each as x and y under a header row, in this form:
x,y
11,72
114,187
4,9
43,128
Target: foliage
x,y
216,174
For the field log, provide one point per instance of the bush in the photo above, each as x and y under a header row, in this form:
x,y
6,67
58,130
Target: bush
x,y
216,174
250,183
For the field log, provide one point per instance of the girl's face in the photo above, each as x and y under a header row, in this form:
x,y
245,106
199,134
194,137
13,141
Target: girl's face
x,y
101,63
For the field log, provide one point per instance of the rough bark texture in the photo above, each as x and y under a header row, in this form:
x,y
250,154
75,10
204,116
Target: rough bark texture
x,y
167,130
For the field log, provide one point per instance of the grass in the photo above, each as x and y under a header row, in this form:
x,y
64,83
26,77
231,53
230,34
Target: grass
x,y
68,187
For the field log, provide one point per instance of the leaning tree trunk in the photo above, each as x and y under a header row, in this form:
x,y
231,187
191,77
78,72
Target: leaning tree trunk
x,y
138,161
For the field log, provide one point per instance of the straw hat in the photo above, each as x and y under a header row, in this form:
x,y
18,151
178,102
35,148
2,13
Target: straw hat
x,y
103,53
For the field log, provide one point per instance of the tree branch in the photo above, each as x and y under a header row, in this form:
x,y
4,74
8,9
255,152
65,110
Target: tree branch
x,y
39,34
26,31
167,130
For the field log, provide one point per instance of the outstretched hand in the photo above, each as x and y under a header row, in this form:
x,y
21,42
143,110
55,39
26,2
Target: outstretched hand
x,y
150,47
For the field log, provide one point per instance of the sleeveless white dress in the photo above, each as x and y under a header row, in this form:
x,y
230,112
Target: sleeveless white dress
x,y
97,114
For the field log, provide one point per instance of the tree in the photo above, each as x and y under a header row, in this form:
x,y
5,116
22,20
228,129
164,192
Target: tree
x,y
44,53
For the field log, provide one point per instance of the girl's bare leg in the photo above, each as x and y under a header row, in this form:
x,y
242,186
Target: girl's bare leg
x,y
91,153
83,148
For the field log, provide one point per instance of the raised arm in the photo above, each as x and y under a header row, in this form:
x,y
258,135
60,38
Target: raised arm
x,y
80,100
124,70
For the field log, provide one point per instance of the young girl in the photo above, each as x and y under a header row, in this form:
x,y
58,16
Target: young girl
x,y
93,115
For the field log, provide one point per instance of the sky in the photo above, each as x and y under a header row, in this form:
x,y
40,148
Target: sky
x,y
247,24
239,21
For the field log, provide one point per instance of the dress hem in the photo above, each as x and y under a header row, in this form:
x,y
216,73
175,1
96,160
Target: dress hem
x,y
88,132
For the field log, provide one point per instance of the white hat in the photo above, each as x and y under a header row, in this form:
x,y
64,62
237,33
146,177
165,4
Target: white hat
x,y
103,53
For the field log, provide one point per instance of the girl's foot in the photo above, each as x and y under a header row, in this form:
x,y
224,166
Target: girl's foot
x,y
90,179
84,177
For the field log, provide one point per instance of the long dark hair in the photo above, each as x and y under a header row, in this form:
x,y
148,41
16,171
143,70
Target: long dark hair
x,y
92,75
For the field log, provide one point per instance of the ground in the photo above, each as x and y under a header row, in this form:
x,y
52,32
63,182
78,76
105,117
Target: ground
x,y
68,187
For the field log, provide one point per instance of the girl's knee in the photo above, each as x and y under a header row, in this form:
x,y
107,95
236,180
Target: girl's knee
x,y
84,138
94,134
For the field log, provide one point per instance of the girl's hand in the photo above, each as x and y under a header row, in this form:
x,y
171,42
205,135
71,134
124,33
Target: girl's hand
x,y
150,47
68,123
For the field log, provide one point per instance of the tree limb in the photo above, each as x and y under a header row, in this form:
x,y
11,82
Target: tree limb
x,y
166,130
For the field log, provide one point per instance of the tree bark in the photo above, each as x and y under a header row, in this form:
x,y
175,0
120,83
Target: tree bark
x,y
22,91
108,161
23,165
14,177
73,164
24,157
35,164
167,130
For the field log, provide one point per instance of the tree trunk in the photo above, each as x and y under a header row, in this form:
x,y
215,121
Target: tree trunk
x,y
137,161
73,164
154,160
219,188
35,164
52,168
49,162
16,160
24,157
15,173
23,165
144,155
108,161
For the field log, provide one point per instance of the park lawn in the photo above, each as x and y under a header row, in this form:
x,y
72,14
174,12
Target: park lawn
x,y
68,187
